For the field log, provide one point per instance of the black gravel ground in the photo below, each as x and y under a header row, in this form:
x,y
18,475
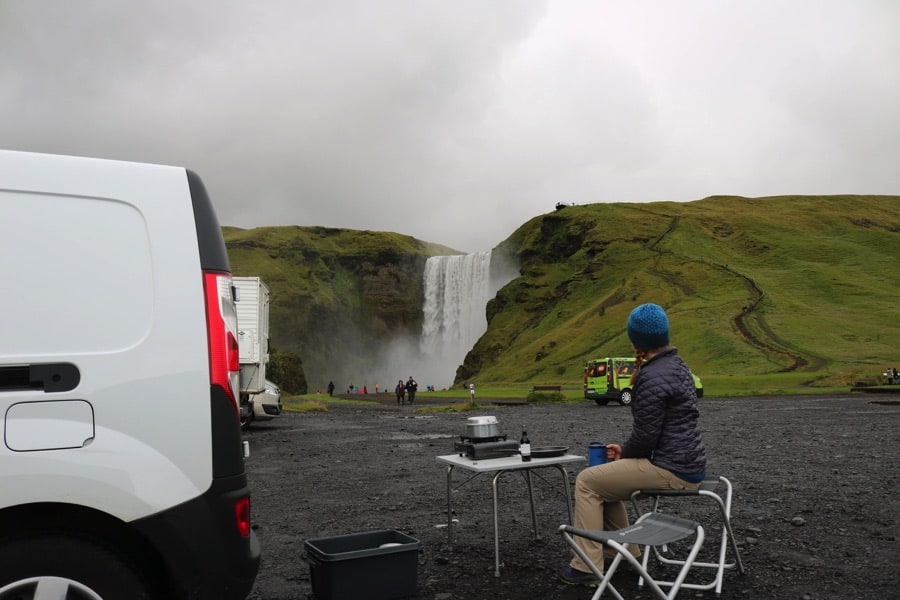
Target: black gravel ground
x,y
816,504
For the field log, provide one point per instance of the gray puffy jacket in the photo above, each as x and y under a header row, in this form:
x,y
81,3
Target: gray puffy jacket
x,y
666,426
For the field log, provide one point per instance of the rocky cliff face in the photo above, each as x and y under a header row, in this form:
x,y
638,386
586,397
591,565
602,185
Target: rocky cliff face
x,y
339,297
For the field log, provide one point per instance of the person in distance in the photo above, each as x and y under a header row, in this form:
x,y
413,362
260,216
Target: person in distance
x,y
664,450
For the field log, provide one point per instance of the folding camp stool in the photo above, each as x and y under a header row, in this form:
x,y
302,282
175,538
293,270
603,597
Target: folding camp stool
x,y
708,489
652,529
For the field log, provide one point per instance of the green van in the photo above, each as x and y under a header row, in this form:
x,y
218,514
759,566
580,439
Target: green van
x,y
608,379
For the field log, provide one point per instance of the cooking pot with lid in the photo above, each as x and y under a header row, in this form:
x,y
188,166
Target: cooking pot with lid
x,y
482,427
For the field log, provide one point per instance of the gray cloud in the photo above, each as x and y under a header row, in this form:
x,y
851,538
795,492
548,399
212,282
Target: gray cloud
x,y
456,122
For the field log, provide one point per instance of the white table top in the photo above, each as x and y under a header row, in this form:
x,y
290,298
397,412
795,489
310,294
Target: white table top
x,y
506,463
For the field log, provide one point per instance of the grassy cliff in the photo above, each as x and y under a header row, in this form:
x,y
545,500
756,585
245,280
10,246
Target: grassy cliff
x,y
752,285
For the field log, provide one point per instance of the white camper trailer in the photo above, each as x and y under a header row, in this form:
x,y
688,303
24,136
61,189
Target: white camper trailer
x,y
253,340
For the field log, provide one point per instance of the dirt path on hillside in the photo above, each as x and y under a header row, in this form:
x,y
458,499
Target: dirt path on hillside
x,y
816,496
769,342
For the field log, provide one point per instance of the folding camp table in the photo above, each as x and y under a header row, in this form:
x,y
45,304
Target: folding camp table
x,y
499,466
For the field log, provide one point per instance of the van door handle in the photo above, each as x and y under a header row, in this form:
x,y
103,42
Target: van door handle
x,y
48,377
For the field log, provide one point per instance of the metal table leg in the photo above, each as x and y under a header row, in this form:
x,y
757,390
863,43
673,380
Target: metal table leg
x,y
537,534
565,477
496,525
449,506
495,488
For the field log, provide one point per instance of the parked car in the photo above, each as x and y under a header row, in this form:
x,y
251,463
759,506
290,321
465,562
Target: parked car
x,y
267,404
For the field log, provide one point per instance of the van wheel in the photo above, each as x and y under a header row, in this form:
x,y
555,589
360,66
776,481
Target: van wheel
x,y
625,398
63,567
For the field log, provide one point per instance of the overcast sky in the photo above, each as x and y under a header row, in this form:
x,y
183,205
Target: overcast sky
x,y
456,121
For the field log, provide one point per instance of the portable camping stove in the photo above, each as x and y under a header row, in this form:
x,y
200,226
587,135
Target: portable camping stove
x,y
485,447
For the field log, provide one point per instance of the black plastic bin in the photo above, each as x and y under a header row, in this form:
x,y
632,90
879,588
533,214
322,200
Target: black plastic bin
x,y
361,565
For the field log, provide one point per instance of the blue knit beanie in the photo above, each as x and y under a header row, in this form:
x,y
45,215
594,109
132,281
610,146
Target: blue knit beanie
x,y
648,327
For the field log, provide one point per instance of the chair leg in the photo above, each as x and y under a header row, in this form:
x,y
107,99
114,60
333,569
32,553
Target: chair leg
x,y
689,561
725,508
604,583
727,538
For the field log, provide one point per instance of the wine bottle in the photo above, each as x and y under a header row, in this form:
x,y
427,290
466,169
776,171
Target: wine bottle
x,y
525,446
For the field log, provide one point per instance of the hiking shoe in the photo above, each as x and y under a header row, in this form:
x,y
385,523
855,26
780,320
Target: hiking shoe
x,y
624,567
575,577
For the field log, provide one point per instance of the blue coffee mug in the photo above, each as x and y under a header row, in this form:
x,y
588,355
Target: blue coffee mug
x,y
596,453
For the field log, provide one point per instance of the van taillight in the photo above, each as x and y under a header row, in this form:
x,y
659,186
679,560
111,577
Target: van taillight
x,y
242,515
221,323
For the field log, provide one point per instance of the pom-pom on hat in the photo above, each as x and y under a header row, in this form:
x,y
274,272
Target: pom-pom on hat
x,y
648,327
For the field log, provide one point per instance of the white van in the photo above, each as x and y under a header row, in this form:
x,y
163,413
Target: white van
x,y
121,468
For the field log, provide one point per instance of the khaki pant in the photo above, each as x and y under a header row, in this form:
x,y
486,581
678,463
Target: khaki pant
x,y
600,495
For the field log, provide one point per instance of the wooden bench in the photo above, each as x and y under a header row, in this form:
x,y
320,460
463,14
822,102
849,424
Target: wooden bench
x,y
546,388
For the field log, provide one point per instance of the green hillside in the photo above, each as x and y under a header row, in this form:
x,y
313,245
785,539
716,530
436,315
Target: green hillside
x,y
752,286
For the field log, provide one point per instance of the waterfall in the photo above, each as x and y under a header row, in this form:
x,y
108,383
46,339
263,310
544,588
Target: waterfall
x,y
457,290
456,293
